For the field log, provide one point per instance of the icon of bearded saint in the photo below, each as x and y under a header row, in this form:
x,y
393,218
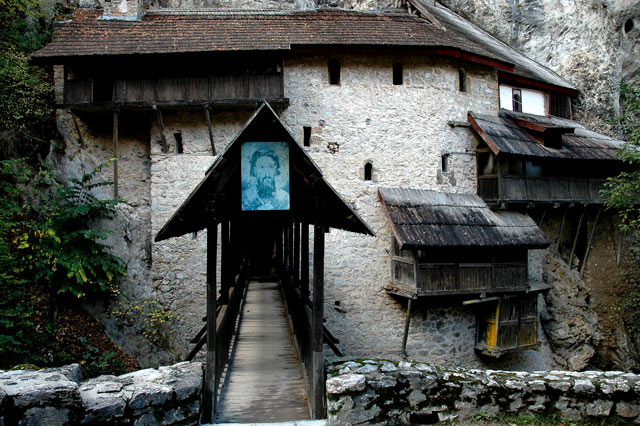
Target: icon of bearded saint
x,y
263,193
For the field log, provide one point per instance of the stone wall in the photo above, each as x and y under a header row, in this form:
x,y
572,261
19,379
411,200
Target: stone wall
x,y
383,392
168,396
401,130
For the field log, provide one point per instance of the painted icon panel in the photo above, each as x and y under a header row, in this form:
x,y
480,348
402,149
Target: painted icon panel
x,y
265,176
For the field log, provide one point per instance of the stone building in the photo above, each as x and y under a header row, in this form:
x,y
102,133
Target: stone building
x,y
407,107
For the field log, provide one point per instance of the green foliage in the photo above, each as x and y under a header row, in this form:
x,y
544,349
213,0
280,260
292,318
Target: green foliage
x,y
47,250
622,192
149,320
26,111
96,362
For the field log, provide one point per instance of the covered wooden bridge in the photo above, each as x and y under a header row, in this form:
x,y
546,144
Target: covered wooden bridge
x,y
267,197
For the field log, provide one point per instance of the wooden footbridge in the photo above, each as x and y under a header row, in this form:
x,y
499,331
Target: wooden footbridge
x,y
264,338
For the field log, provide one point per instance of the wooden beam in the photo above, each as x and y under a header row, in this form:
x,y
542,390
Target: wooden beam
x,y
575,239
225,266
564,217
208,114
115,153
318,385
407,321
296,253
77,127
163,140
304,261
619,252
210,385
593,231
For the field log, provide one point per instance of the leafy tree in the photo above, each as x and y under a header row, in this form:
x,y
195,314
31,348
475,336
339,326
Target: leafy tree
x,y
622,192
48,249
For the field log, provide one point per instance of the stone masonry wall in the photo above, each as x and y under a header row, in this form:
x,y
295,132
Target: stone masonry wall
x,y
55,397
375,392
402,130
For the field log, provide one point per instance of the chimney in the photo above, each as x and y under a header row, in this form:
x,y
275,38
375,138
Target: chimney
x,y
124,10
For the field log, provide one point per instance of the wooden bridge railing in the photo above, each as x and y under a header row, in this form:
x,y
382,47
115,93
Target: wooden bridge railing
x,y
306,315
220,325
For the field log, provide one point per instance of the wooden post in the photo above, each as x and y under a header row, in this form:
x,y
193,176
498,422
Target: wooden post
x,y
317,381
564,217
163,140
225,266
593,231
407,321
210,382
213,146
304,262
285,260
77,127
575,239
296,253
291,237
115,153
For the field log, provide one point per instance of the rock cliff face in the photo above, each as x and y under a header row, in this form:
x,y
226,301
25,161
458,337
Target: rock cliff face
x,y
593,44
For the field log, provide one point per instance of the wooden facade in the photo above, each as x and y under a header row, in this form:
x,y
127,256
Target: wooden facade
x,y
507,324
515,179
197,83
447,271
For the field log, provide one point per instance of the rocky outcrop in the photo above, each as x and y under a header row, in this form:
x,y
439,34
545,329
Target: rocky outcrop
x,y
592,44
167,395
568,320
383,392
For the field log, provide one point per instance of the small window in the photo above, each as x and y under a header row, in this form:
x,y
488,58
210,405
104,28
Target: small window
x,y
516,98
102,90
368,170
444,159
179,147
628,26
306,130
397,74
334,72
462,80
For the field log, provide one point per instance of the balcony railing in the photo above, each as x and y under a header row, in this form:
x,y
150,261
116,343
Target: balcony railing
x,y
226,88
501,189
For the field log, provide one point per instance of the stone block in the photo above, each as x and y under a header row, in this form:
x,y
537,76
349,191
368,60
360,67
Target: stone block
x,y
627,410
45,416
346,383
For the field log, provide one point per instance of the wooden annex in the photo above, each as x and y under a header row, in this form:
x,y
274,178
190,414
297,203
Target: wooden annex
x,y
454,245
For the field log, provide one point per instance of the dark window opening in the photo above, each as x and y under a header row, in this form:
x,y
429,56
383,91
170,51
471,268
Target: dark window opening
x,y
517,100
368,170
306,130
397,74
102,90
462,80
445,163
628,26
179,146
334,72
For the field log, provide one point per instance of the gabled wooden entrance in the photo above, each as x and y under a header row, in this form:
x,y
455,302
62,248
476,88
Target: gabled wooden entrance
x,y
217,200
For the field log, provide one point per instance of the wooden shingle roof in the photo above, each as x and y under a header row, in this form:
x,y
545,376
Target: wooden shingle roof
x,y
197,31
425,218
503,135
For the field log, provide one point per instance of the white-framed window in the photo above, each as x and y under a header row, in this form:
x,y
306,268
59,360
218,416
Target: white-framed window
x,y
522,100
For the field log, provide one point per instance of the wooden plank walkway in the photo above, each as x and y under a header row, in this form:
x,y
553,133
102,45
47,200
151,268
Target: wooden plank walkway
x,y
265,376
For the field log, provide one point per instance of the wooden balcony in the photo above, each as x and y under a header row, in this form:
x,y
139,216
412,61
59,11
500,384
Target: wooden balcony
x,y
519,189
435,279
224,89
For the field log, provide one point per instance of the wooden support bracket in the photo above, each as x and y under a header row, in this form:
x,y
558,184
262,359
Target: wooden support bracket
x,y
115,153
575,239
564,217
77,127
163,139
208,114
593,231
